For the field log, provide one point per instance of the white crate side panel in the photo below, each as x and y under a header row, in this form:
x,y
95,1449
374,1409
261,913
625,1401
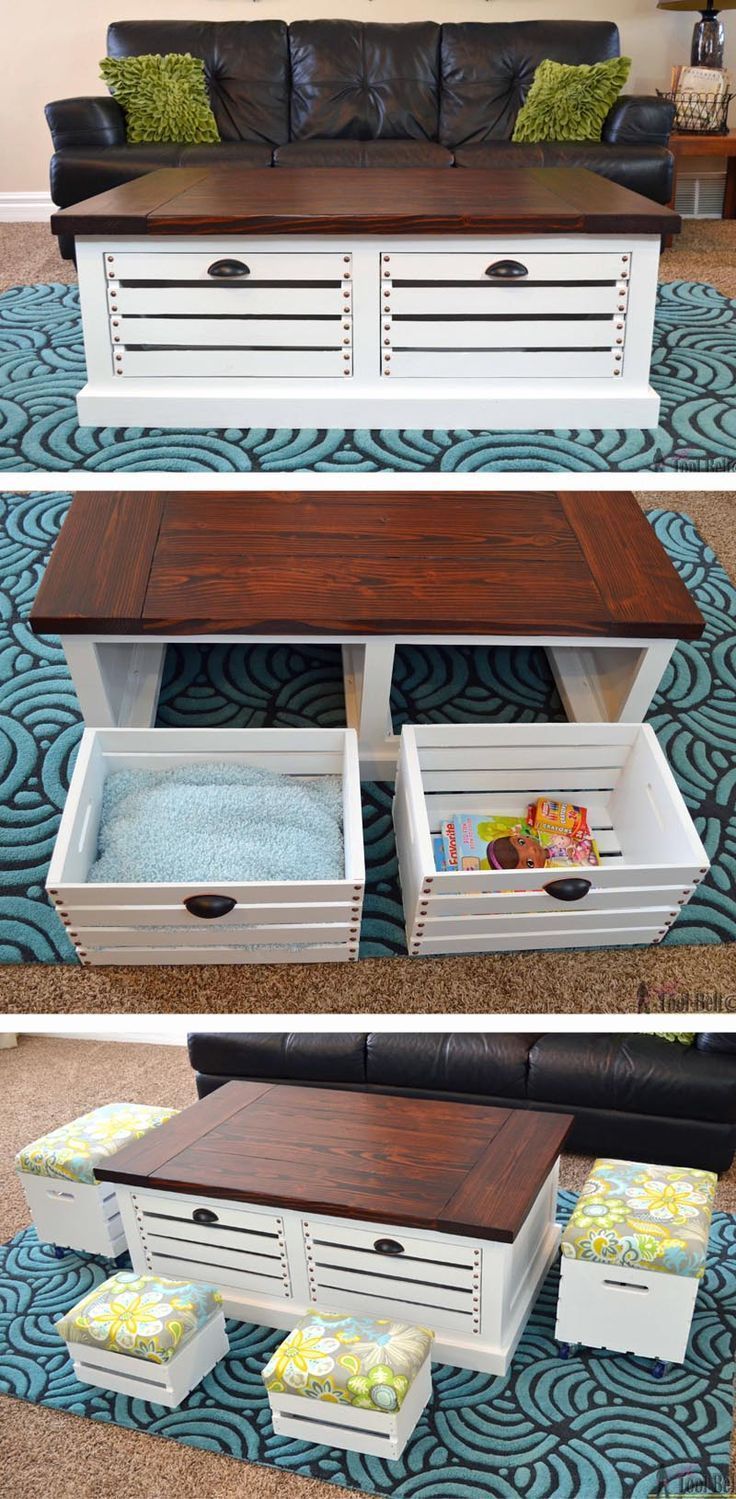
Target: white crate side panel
x,y
209,934
514,364
252,332
75,1215
485,333
162,1384
142,957
232,364
370,1432
178,265
626,1310
228,301
499,300
465,265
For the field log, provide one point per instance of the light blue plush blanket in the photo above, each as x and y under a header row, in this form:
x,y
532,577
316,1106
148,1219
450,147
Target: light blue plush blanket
x,y
217,822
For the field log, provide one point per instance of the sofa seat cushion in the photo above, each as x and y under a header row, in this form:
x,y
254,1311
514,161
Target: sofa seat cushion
x,y
142,1316
631,1074
643,1217
365,81
488,67
361,1361
73,1150
643,169
80,173
246,68
362,154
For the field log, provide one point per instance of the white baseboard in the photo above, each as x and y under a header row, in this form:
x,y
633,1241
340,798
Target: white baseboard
x,y
25,208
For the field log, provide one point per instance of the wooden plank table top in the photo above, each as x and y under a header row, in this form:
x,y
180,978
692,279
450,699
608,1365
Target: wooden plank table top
x,y
334,200
334,563
454,1168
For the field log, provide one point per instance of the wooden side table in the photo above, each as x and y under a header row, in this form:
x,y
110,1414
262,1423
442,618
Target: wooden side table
x,y
709,145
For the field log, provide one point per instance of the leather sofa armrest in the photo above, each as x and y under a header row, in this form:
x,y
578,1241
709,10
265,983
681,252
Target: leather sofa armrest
x,y
639,120
92,123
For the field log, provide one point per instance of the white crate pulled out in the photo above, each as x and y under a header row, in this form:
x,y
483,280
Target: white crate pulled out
x,y
293,921
627,1310
75,1215
160,1384
651,856
374,1433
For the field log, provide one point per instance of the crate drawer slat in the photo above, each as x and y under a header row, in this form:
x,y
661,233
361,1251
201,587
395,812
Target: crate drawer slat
x,y
110,900
659,899
240,919
210,934
224,299
545,265
217,1273
106,957
194,1248
509,301
576,920
181,1210
329,1261
623,937
230,332
429,1312
194,265
499,333
231,364
437,1250
511,364
423,1291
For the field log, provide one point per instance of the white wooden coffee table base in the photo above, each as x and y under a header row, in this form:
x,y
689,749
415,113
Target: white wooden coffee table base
x,y
117,680
369,332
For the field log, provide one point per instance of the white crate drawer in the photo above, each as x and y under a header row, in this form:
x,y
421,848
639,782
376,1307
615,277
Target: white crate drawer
x,y
233,364
652,858
261,921
223,299
245,266
502,300
75,1215
539,364
209,1241
576,266
435,1280
637,1311
230,332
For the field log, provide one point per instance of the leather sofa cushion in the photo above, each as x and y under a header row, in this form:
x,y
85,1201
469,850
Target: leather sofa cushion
x,y
309,1057
246,67
364,81
487,68
81,173
362,154
641,1074
486,1064
643,169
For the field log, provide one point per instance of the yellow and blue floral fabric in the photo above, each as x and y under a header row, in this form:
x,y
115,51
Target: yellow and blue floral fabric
x,y
362,1361
73,1150
645,1217
143,1316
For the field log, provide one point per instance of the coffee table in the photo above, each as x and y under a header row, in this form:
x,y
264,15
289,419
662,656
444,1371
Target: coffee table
x,y
581,574
289,1198
220,297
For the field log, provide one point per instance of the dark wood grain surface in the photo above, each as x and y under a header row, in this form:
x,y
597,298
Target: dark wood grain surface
x,y
423,563
336,200
452,1167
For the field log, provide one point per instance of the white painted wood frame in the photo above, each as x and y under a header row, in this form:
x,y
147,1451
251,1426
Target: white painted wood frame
x,y
292,921
652,857
570,346
75,1215
476,1294
627,1310
117,678
160,1384
374,1433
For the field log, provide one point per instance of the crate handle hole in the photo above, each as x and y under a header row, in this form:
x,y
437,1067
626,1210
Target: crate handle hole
x,y
625,1285
58,1195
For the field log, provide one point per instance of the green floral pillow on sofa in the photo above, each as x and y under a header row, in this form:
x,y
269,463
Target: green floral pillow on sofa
x,y
568,103
163,98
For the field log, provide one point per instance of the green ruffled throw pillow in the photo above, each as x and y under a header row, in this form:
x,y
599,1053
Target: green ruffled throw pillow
x,y
164,98
568,103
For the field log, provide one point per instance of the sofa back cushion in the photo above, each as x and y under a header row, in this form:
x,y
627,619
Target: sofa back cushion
x,y
487,69
364,81
246,69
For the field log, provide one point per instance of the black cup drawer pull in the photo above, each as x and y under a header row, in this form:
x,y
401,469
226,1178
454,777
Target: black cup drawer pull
x,y
209,907
388,1246
507,270
228,270
204,1215
570,889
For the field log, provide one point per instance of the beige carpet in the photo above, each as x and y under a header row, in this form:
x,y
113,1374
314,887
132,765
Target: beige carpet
x,y
507,983
703,252
41,1083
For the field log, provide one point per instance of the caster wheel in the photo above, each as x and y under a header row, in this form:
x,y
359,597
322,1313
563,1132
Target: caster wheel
x,y
59,1253
659,1369
564,1350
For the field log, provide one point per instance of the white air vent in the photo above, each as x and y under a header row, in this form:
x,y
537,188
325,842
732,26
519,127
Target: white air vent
x,y
699,195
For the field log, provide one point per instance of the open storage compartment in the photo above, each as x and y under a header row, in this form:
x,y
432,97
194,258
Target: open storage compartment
x,y
295,921
651,856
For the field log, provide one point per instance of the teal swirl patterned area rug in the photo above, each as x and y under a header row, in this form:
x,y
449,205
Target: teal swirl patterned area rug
x,y
42,368
594,1426
694,716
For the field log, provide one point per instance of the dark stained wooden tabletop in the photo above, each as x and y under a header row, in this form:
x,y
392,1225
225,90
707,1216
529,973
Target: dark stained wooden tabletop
x,y
336,200
419,563
453,1167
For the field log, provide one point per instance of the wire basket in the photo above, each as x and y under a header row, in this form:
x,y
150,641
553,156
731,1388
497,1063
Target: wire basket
x,y
699,114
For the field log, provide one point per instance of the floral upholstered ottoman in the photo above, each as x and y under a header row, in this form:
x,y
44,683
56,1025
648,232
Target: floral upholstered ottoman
x,y
633,1256
69,1207
145,1336
353,1382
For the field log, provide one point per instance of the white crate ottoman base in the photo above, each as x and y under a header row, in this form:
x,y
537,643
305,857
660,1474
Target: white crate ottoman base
x,y
68,1207
645,1306
312,1413
166,1383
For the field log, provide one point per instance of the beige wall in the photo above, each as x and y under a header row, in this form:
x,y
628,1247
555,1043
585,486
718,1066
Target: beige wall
x,y
53,49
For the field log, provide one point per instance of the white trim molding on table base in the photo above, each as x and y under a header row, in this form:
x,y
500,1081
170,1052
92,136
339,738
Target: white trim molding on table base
x,y
356,331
